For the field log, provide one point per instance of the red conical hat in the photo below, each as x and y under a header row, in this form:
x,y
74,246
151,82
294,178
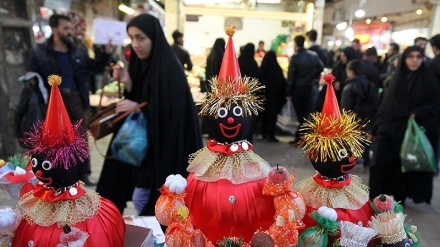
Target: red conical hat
x,y
230,70
330,109
57,125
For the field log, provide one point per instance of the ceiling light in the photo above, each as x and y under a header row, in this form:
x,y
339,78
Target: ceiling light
x,y
384,19
126,9
368,21
341,26
419,11
349,33
359,13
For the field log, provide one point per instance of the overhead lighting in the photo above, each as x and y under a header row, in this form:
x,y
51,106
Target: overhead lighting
x,y
368,21
384,19
349,33
359,13
124,8
341,26
419,11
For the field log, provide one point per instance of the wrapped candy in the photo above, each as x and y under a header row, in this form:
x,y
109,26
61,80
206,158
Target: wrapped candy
x,y
318,236
14,174
171,199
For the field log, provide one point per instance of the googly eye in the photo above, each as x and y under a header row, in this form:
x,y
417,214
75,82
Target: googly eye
x,y
46,165
34,162
238,111
222,112
343,153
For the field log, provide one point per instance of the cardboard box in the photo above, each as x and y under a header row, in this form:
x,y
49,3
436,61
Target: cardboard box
x,y
138,236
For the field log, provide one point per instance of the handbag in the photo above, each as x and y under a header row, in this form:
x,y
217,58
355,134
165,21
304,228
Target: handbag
x,y
106,120
131,142
416,152
287,120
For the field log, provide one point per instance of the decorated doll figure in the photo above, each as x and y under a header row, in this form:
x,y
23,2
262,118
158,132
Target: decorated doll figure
x,y
333,140
59,210
224,193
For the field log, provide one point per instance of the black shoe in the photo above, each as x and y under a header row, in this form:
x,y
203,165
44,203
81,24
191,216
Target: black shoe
x,y
88,182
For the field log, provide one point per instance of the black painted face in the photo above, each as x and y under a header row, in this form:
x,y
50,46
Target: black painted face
x,y
56,177
404,243
336,169
230,125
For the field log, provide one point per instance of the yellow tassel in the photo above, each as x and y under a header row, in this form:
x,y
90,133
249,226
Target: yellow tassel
x,y
230,30
54,80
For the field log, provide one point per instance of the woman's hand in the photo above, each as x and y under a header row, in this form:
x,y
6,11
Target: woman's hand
x,y
412,115
125,105
121,74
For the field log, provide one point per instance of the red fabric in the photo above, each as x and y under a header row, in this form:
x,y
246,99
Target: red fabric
x,y
57,123
19,179
229,70
214,146
106,228
211,212
319,179
48,194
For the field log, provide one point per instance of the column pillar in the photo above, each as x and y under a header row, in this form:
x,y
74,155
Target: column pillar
x,y
435,18
173,19
318,19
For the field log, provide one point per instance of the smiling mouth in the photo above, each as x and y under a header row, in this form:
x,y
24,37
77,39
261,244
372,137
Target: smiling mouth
x,y
44,180
348,167
234,130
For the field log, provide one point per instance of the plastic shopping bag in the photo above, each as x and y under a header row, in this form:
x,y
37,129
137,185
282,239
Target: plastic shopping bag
x,y
287,119
416,152
131,142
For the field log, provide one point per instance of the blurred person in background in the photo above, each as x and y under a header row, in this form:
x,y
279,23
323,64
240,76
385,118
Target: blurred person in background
x,y
370,67
181,52
260,52
356,44
272,78
434,67
361,97
304,70
311,37
413,93
422,42
249,67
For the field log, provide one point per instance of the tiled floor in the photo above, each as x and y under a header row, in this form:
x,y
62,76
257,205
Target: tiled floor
x,y
425,217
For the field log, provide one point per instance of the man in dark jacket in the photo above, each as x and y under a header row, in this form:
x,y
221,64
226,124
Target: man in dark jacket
x,y
181,52
434,65
305,67
61,56
311,36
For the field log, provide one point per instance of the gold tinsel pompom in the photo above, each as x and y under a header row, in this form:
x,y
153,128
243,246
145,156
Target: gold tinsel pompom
x,y
230,30
54,80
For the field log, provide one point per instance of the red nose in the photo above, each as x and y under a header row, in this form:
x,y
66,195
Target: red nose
x,y
39,173
230,120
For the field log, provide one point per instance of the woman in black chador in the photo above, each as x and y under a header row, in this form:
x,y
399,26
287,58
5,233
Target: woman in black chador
x,y
214,60
271,76
156,76
413,93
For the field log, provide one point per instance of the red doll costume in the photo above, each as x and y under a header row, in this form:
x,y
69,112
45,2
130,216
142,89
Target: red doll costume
x,y
59,211
224,192
231,194
333,141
